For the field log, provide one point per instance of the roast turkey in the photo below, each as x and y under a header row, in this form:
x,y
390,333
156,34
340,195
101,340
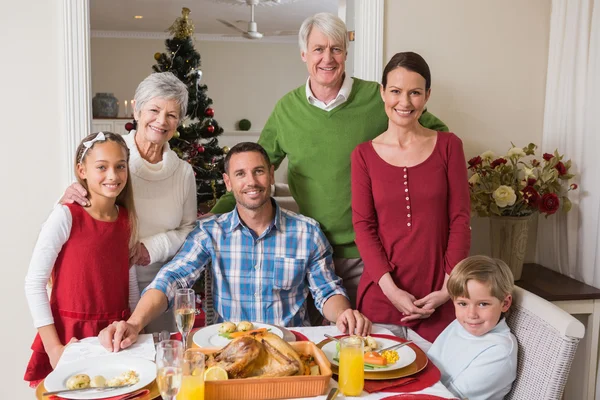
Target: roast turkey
x,y
258,355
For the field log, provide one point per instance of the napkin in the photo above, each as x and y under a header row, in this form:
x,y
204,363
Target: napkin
x,y
91,347
300,337
142,394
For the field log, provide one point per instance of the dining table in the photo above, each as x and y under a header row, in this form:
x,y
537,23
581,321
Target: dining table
x,y
89,348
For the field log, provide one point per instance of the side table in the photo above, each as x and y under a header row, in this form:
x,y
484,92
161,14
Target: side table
x,y
575,298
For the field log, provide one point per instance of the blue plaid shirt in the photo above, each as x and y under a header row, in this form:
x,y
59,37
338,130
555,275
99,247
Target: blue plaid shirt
x,y
262,278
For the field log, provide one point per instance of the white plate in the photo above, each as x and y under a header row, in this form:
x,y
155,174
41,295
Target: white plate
x,y
209,336
107,366
406,355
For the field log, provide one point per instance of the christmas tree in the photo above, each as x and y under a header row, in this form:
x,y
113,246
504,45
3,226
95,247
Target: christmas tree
x,y
196,140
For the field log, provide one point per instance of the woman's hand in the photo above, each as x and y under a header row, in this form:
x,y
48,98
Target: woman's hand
x,y
429,303
75,194
56,352
401,299
139,255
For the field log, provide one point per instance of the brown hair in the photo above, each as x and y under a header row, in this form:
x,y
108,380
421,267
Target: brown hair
x,y
491,271
245,147
410,61
125,198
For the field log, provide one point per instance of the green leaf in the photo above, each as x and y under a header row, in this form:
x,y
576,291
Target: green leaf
x,y
566,205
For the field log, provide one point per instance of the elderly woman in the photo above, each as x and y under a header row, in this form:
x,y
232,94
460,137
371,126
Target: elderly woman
x,y
164,186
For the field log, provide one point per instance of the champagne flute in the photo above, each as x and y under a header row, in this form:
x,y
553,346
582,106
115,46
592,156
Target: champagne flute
x,y
169,357
185,312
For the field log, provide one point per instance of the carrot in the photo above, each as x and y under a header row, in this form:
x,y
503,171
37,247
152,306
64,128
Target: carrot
x,y
373,357
238,334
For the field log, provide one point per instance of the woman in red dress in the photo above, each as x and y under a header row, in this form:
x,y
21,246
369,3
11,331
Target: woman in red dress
x,y
410,209
86,251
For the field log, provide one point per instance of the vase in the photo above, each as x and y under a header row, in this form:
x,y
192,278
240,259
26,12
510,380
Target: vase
x,y
508,240
105,105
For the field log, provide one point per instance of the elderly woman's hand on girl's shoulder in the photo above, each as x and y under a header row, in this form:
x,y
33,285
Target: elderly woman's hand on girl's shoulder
x,y
75,194
139,255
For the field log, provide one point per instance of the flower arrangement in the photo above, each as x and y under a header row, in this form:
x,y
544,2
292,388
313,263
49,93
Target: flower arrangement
x,y
518,184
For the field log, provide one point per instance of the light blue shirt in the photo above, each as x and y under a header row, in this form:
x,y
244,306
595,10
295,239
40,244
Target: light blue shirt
x,y
476,367
262,278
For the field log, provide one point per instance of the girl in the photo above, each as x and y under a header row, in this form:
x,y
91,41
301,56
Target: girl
x,y
86,253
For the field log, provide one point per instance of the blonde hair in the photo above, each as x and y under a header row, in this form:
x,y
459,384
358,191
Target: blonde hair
x,y
487,270
125,198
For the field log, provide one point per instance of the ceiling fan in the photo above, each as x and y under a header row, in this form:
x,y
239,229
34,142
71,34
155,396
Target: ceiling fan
x,y
252,31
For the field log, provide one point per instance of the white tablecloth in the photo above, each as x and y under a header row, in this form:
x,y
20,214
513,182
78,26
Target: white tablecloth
x,y
316,334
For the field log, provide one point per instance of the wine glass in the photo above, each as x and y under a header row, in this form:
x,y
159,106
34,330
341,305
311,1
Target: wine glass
x,y
169,357
185,312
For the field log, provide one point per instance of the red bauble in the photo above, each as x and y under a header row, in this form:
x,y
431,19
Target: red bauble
x,y
210,128
209,112
129,126
200,149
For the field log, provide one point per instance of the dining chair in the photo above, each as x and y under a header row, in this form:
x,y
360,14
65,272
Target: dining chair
x,y
548,337
209,308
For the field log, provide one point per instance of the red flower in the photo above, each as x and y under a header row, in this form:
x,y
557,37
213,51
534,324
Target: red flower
x,y
560,167
531,181
549,203
498,161
548,156
475,161
573,186
535,163
531,196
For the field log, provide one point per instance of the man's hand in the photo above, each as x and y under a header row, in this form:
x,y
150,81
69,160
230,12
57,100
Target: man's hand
x,y
56,352
353,322
139,255
75,194
118,335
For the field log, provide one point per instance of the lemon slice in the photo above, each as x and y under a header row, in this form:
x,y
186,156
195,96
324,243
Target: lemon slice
x,y
215,374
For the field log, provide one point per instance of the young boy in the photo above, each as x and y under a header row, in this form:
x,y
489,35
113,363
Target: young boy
x,y
476,353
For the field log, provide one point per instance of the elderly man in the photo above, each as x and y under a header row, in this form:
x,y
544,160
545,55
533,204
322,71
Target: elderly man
x,y
317,126
264,259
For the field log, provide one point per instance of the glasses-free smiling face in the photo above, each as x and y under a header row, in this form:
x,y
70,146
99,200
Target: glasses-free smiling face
x,y
325,60
404,96
249,179
481,312
104,168
157,121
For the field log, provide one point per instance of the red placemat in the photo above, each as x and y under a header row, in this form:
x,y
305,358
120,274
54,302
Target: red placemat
x,y
137,395
299,337
429,376
410,396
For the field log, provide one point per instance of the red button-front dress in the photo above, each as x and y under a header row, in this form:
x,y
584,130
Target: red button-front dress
x,y
90,283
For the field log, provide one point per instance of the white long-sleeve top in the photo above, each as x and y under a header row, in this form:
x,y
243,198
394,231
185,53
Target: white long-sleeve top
x,y
54,234
476,367
165,201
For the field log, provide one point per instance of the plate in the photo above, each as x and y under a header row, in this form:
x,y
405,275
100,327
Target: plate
x,y
406,355
209,336
418,365
107,366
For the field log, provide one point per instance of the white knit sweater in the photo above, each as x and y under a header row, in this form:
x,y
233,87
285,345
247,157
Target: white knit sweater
x,y
165,201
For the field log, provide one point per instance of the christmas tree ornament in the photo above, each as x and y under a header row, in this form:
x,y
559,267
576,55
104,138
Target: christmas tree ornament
x,y
210,128
209,112
200,149
129,126
183,27
157,56
225,149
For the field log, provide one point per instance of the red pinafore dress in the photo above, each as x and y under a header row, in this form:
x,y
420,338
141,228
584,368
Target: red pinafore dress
x,y
90,283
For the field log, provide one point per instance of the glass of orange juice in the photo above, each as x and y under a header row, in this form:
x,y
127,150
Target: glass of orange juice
x,y
351,377
192,383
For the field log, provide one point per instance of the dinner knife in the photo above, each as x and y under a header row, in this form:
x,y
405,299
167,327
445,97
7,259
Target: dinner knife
x,y
395,346
100,389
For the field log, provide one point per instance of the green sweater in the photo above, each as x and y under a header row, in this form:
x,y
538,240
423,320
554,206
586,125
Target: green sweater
x,y
318,144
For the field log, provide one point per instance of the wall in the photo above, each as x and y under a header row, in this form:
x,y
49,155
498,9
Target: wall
x,y
30,168
488,63
244,79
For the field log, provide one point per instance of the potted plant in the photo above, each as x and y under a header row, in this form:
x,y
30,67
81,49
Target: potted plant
x,y
510,189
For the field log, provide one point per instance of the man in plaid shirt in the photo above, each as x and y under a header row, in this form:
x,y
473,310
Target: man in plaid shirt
x,y
264,260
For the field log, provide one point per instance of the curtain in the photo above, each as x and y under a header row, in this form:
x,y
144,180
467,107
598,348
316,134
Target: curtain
x,y
568,242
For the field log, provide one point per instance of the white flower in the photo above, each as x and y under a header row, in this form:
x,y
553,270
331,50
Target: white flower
x,y
504,196
488,155
474,179
516,152
528,172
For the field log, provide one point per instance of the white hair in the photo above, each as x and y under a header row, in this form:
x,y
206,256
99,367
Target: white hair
x,y
331,26
164,85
